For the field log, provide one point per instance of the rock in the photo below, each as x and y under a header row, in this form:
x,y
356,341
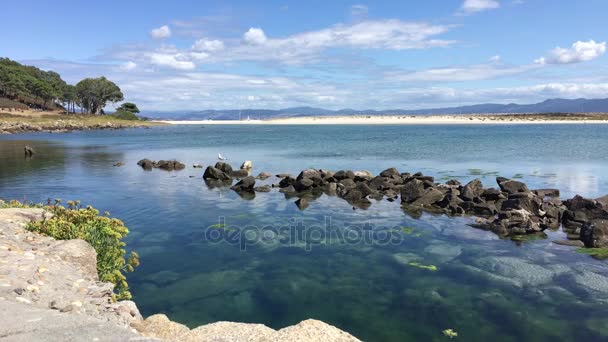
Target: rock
x,y
453,182
77,252
287,189
390,172
28,151
303,184
241,173
362,176
492,194
428,197
262,188
264,175
287,181
484,209
197,166
229,331
160,326
342,174
247,165
542,193
244,185
213,173
170,165
118,164
224,167
309,174
511,186
471,191
312,330
603,201
146,164
302,203
412,191
573,243
595,233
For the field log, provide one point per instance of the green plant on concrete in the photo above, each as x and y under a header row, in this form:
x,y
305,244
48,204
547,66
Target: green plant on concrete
x,y
104,233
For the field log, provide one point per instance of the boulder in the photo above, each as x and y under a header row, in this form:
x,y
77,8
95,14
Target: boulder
x,y
215,174
146,164
287,181
390,173
344,174
197,166
303,184
595,233
241,173
484,209
428,197
348,182
309,174
28,151
302,203
471,191
170,165
244,185
542,193
264,175
511,186
224,167
362,176
262,188
412,191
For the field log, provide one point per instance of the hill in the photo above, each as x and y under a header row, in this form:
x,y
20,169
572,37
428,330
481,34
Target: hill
x,y
547,106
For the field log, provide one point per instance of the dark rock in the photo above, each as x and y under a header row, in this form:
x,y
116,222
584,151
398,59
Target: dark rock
x,y
303,184
603,201
362,176
262,188
378,183
197,166
287,189
492,194
224,167
347,182
287,181
542,193
353,195
377,195
390,173
216,183
244,185
302,203
214,173
428,197
264,175
472,190
484,209
412,191
530,204
331,189
240,173
453,182
594,234
170,165
309,174
118,164
364,189
283,175
146,164
28,151
344,174
511,186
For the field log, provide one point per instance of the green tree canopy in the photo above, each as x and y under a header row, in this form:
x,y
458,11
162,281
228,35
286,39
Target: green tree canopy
x,y
93,94
128,107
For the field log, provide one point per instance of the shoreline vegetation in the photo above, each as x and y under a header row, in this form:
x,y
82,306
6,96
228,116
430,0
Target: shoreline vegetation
x,y
461,119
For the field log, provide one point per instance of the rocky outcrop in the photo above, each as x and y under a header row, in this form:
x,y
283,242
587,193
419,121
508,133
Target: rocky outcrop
x,y
167,165
49,291
62,126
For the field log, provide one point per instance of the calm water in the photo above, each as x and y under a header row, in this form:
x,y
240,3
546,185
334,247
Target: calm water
x,y
483,287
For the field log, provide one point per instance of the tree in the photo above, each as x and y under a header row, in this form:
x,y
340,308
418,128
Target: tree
x,y
93,94
128,107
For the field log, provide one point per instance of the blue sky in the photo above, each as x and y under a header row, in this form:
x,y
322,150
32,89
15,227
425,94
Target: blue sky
x,y
188,55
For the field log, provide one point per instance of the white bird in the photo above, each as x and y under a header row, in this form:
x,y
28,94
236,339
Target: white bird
x,y
221,157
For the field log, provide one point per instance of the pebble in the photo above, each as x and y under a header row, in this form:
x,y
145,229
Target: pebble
x,y
41,269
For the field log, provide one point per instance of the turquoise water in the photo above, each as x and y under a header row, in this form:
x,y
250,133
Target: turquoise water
x,y
342,269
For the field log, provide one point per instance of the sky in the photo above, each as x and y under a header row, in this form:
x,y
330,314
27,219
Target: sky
x,y
196,55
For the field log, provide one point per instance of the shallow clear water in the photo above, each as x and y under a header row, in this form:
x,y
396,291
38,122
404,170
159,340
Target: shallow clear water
x,y
342,269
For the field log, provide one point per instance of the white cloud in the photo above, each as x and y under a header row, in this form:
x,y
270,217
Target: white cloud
x,y
255,36
473,6
208,45
475,72
128,66
175,61
161,32
578,52
495,58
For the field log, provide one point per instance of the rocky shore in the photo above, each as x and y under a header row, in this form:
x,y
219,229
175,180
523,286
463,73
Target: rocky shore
x,y
27,125
510,209
50,291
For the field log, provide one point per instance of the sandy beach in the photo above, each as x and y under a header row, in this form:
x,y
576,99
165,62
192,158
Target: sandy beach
x,y
412,120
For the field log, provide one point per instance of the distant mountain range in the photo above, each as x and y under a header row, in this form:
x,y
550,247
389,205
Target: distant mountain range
x,y
547,106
